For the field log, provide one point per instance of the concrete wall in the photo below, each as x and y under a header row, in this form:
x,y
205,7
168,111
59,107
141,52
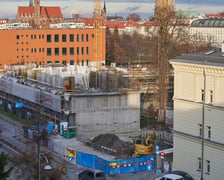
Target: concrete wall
x,y
118,113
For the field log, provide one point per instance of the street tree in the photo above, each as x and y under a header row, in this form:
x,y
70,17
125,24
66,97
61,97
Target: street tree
x,y
134,17
4,174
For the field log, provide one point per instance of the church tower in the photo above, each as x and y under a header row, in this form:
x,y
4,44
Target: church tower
x,y
104,12
36,12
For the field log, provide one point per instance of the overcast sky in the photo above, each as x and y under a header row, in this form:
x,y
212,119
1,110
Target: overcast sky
x,y
8,8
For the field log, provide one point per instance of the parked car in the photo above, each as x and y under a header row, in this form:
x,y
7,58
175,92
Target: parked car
x,y
185,175
170,177
92,174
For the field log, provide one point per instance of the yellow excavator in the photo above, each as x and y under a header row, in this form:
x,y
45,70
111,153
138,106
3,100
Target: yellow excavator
x,y
145,146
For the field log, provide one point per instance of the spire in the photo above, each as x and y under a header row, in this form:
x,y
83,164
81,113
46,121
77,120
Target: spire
x,y
104,7
31,3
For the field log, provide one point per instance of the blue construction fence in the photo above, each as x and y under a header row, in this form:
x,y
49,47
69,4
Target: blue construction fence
x,y
116,166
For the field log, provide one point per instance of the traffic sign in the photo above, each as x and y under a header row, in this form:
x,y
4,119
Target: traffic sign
x,y
158,171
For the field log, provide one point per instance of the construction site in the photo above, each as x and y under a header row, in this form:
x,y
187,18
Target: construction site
x,y
108,108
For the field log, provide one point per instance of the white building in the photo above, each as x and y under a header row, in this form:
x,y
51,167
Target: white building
x,y
208,30
199,112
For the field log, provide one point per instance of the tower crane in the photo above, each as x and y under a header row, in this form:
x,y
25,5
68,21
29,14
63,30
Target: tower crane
x,y
98,32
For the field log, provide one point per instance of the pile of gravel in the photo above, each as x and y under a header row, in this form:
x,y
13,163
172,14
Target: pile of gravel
x,y
113,142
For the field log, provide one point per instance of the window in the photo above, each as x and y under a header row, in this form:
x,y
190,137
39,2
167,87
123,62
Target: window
x,y
17,37
209,132
211,96
48,51
87,37
71,37
48,62
199,164
32,50
82,36
202,95
31,36
71,51
82,50
77,50
39,36
64,62
64,51
48,38
56,51
89,103
39,49
72,62
87,62
200,129
105,102
207,167
64,38
87,50
82,62
56,62
42,49
56,38
35,36
42,36
77,38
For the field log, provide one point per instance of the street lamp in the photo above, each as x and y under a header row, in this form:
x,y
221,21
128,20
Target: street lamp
x,y
203,124
139,62
46,167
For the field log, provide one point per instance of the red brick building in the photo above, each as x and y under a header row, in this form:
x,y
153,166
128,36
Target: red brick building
x,y
39,15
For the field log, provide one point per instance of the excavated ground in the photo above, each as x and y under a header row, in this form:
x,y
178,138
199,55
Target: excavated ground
x,y
112,142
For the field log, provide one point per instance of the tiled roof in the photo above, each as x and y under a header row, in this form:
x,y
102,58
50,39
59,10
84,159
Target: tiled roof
x,y
25,10
50,12
117,24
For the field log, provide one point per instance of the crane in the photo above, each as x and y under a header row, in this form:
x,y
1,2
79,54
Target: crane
x,y
98,32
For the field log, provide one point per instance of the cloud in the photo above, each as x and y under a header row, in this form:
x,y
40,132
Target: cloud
x,y
133,8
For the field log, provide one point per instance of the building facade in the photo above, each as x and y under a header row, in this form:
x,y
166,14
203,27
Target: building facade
x,y
44,46
198,114
90,112
208,31
39,15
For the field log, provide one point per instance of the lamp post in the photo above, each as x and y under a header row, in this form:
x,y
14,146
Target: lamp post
x,y
46,167
139,60
203,125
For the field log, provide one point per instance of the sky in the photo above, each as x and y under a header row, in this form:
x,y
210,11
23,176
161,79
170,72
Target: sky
x,y
145,8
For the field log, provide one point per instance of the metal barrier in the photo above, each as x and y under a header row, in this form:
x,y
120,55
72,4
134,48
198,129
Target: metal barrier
x,y
116,166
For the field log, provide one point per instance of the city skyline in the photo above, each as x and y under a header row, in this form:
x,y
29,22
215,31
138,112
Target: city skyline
x,y
145,8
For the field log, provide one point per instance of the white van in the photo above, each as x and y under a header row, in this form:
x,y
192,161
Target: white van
x,y
170,177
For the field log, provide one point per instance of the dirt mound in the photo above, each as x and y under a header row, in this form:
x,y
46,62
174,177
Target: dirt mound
x,y
112,145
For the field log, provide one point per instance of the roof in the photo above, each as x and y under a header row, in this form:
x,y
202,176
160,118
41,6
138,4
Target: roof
x,y
50,12
213,57
208,23
25,10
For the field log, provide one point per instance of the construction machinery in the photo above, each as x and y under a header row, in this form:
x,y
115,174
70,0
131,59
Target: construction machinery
x,y
145,146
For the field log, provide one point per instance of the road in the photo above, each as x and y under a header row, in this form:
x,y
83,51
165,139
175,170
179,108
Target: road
x,y
10,133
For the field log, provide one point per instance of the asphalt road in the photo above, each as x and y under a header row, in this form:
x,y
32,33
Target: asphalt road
x,y
10,134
